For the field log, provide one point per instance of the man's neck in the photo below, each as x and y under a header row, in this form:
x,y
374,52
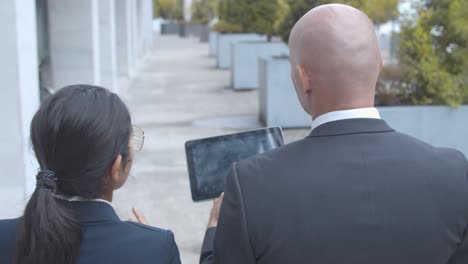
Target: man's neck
x,y
368,113
321,110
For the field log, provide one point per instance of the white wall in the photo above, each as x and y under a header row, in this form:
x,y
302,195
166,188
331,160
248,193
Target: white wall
x,y
82,43
74,42
146,25
96,41
19,101
135,31
188,10
108,44
124,38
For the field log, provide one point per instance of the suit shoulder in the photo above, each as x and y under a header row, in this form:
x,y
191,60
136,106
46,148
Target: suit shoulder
x,y
9,223
154,232
277,159
407,139
159,240
440,152
450,153
143,227
452,157
275,154
159,234
8,226
8,229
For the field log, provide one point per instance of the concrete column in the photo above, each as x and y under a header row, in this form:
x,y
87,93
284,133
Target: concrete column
x,y
107,40
124,38
134,10
19,100
74,42
146,24
188,10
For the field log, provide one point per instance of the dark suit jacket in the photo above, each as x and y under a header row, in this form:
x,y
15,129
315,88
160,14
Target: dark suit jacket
x,y
355,192
106,239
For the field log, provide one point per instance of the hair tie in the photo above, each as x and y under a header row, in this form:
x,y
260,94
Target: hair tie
x,y
46,180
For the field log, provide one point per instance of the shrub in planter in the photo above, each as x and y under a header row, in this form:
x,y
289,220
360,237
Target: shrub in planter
x,y
263,16
225,27
203,11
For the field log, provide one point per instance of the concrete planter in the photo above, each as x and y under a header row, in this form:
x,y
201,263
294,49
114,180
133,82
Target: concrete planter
x,y
223,51
441,126
213,43
192,30
279,105
244,61
205,34
170,28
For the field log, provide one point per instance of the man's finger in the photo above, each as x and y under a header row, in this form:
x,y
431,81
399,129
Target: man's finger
x,y
219,199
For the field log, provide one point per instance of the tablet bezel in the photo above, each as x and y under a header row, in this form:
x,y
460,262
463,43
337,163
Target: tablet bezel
x,y
276,131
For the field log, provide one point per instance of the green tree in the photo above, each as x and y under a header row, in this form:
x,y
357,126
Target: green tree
x,y
203,11
255,16
262,16
434,54
227,18
230,16
169,9
379,11
231,11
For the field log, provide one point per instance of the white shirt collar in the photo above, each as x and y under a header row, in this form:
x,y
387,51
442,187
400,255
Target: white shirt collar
x,y
80,199
370,112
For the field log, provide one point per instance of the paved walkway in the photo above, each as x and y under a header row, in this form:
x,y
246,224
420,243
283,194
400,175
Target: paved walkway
x,y
178,96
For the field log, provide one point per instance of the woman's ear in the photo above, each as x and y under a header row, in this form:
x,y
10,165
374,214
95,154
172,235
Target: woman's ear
x,y
116,173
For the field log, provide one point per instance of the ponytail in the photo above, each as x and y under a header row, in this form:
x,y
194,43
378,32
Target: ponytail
x,y
77,132
47,233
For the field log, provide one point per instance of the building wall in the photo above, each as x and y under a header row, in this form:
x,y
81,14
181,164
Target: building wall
x,y
80,40
18,102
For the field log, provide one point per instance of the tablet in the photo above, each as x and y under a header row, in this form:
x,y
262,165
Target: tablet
x,y
209,160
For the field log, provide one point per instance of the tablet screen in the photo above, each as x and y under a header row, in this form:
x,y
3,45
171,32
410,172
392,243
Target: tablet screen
x,y
209,160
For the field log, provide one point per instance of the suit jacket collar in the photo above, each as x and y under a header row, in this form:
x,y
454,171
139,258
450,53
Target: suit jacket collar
x,y
91,211
351,126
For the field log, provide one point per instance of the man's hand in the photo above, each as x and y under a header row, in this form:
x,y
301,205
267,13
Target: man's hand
x,y
139,217
215,211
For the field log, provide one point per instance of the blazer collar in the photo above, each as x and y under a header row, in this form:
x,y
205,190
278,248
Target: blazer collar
x,y
91,211
351,126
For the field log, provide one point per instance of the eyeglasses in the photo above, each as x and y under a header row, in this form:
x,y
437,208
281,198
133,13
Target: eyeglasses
x,y
138,138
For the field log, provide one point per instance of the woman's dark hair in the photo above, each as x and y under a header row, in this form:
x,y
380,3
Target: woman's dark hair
x,y
77,133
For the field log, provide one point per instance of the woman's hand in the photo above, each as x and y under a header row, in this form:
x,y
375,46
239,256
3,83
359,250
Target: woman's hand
x,y
139,217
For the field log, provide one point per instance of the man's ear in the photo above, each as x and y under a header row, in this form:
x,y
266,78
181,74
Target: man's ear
x,y
116,171
304,79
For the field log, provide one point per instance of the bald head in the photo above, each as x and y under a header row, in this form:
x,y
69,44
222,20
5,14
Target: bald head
x,y
335,59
